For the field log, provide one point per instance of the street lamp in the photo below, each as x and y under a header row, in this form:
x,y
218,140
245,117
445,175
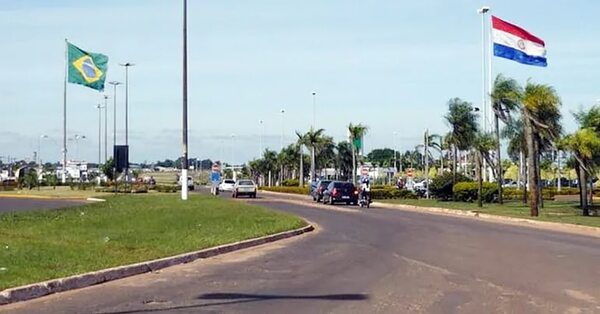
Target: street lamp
x,y
282,128
115,84
483,11
99,133
76,139
105,128
314,99
262,131
184,164
127,65
395,157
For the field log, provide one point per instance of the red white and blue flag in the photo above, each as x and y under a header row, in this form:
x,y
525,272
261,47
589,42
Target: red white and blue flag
x,y
514,43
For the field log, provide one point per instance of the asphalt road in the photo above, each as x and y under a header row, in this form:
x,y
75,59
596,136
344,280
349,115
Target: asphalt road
x,y
373,261
25,204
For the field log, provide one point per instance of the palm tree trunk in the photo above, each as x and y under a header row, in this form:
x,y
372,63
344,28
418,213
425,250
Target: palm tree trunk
x,y
479,170
453,170
312,164
353,164
301,180
531,175
523,170
499,175
538,174
583,187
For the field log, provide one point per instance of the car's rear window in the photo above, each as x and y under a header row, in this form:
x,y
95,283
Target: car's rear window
x,y
245,182
229,181
325,183
344,185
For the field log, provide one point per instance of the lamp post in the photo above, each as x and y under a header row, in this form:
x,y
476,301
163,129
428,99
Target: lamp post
x,y
105,128
127,65
115,84
99,133
262,131
314,99
395,156
76,139
282,128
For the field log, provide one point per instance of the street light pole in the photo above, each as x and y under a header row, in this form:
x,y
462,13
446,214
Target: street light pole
x,y
261,137
314,124
395,157
105,128
184,163
115,84
282,128
39,152
99,133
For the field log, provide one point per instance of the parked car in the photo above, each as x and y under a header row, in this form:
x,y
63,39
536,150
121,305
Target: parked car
x,y
317,192
244,187
338,191
227,185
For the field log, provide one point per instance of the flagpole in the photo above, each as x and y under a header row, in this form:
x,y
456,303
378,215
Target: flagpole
x,y
64,172
184,162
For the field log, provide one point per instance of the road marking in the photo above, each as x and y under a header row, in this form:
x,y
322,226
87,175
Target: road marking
x,y
423,264
579,295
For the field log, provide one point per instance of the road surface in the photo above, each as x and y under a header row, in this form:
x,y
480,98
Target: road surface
x,y
372,261
28,204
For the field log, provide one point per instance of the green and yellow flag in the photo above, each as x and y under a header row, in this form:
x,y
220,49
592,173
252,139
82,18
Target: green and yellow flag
x,y
86,68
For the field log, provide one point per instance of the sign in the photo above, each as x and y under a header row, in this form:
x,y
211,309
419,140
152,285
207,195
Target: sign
x,y
216,167
215,177
364,170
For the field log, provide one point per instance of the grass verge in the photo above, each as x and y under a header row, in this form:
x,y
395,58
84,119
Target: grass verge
x,y
59,192
554,211
37,246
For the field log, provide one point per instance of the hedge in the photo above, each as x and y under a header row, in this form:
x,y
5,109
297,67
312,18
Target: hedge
x,y
138,188
441,186
467,191
291,182
286,189
391,192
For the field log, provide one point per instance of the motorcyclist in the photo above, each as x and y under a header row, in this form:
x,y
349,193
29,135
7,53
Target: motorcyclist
x,y
365,189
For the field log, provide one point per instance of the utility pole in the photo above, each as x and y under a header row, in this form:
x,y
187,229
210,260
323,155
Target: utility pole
x,y
425,152
105,128
184,162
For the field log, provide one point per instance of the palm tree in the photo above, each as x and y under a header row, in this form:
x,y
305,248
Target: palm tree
x,y
313,138
584,144
344,159
357,132
483,144
517,148
269,163
541,115
462,120
506,96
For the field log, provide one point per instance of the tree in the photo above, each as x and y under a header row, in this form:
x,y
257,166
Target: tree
x,y
357,132
301,140
313,138
382,157
541,116
107,168
483,144
344,159
506,96
462,121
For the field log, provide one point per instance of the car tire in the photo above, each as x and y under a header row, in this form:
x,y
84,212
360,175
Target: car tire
x,y
253,195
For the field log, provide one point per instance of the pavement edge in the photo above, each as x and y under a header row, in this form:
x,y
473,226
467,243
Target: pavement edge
x,y
41,289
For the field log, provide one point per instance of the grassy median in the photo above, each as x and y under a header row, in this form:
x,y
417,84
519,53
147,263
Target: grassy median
x,y
554,211
37,246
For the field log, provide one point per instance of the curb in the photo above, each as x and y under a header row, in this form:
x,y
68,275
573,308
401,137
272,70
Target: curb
x,y
537,224
40,289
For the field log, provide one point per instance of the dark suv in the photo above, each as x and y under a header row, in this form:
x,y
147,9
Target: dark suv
x,y
340,192
317,192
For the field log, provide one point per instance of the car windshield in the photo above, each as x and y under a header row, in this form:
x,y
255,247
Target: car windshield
x,y
324,183
229,181
245,182
344,185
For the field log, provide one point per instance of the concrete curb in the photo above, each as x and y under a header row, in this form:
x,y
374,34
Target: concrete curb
x,y
40,289
94,199
545,225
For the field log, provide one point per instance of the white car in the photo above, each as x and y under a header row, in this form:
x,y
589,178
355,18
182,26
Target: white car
x,y
244,187
227,185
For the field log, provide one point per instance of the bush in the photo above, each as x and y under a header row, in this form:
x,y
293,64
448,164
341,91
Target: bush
x,y
291,182
136,188
391,192
467,191
163,188
547,194
441,186
286,189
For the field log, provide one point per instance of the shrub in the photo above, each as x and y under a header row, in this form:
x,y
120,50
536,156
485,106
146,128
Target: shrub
x,y
286,189
467,191
291,182
517,194
163,188
441,186
391,192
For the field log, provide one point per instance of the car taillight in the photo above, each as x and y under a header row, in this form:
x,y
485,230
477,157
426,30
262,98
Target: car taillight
x,y
334,192
319,189
355,192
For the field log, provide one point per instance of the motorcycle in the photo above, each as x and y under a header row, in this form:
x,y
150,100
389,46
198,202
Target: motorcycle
x,y
364,200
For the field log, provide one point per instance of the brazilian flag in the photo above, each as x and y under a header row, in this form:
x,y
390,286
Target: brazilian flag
x,y
86,68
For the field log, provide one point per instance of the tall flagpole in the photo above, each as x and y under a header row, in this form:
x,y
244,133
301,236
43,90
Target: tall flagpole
x,y
64,172
184,162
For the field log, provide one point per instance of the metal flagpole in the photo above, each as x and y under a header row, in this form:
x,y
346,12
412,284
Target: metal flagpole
x,y
105,128
64,172
184,162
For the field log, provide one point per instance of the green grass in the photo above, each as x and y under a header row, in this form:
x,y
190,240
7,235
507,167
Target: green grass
x,y
37,246
555,211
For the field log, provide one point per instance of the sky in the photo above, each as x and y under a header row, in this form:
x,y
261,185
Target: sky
x,y
391,65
